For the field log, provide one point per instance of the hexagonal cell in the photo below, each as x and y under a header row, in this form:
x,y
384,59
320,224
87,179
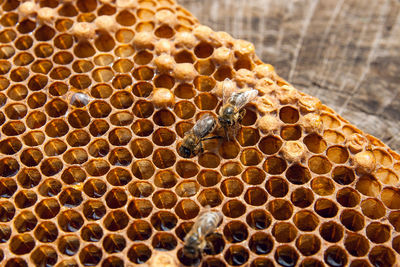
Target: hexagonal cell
x,y
46,232
333,136
343,175
139,253
306,220
382,157
348,197
97,167
386,176
70,221
302,197
315,143
22,244
235,232
25,199
208,178
187,209
94,188
187,188
31,157
291,132
298,174
164,199
164,241
234,208
382,255
55,147
116,198
94,209
277,187
163,137
289,114
98,127
143,109
255,196
92,232
163,158
99,109
352,220
37,100
141,148
228,149
186,168
286,255
90,255
236,255
211,197
325,208
206,101
322,186
258,219
337,154
184,91
8,167
44,255
140,208
308,244
253,176
390,197
331,231
319,164
335,256
208,160
261,243
119,177
163,221
231,168
250,157
274,165
143,169
373,208
27,178
70,197
280,209
232,187
378,232
139,230
116,220
24,222
47,208
15,111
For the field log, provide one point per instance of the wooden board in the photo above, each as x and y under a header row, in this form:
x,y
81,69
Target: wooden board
x,y
345,52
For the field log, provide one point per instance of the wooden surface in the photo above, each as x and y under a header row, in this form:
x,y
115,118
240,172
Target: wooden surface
x,y
345,52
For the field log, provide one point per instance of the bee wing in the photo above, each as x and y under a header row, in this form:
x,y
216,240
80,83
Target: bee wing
x,y
204,125
241,99
228,88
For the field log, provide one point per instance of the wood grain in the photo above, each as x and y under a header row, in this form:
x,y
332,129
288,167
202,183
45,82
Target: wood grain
x,y
345,52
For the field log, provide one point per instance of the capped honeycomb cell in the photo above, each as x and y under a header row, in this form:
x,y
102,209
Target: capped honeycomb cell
x,y
95,99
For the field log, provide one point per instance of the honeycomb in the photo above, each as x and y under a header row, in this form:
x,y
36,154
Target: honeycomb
x,y
95,97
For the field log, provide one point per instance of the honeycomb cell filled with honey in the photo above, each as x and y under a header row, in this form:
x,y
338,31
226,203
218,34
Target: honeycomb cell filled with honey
x,y
95,99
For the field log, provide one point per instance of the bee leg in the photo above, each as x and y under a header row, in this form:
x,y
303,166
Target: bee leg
x,y
212,137
242,112
226,133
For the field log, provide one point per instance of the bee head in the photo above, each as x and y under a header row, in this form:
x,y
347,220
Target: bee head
x,y
184,151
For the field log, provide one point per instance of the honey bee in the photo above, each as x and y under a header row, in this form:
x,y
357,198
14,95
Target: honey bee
x,y
232,111
195,240
191,143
